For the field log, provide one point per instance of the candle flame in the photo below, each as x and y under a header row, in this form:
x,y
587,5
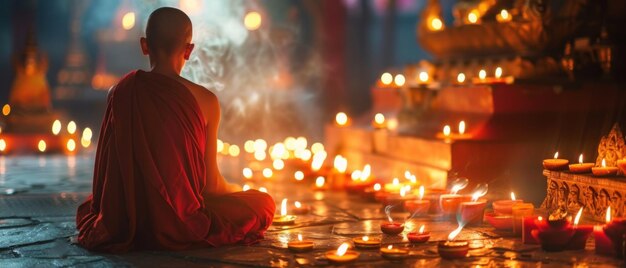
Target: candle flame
x,y
3,145
482,74
341,250
318,160
462,127
247,173
399,80
580,159
458,184
71,127
386,78
283,207
263,189
56,127
472,16
379,118
504,14
577,218
319,182
556,155
454,233
421,192
278,164
389,247
267,173
341,118
71,145
603,162
367,171
423,76
245,187
340,164
460,78
395,181
365,238
299,175
402,192
480,191
436,24
377,187
41,146
300,237
297,204
421,231
540,218
446,130
513,196
356,175
608,214
498,72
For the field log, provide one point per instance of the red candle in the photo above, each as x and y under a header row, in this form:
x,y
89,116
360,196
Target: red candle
x,y
530,223
552,239
419,237
615,230
505,206
472,212
604,245
581,234
392,228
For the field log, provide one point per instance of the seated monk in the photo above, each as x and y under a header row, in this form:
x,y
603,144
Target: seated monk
x,y
156,183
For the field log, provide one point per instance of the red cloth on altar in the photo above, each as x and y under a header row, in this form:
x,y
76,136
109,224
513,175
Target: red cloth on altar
x,y
150,172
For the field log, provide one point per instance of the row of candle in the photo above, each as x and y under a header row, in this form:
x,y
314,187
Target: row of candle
x,y
424,80
558,164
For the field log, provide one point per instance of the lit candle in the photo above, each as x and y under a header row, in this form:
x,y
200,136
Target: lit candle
x,y
604,171
581,234
462,127
499,221
342,119
504,16
379,121
451,249
556,163
247,173
482,74
393,253
420,237
435,24
338,177
472,211
473,16
366,242
604,245
394,186
555,235
386,79
423,78
505,206
342,254
360,180
320,183
299,209
267,173
621,164
300,245
615,230
498,73
460,78
419,206
446,131
283,218
370,193
581,167
298,175
391,227
399,80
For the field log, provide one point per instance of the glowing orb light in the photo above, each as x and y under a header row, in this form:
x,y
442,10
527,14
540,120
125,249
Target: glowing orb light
x,y
252,21
128,21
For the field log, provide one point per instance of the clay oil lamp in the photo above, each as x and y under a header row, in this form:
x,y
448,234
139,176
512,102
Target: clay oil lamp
x,y
604,171
581,233
615,230
604,244
419,206
391,227
284,219
556,235
300,245
420,237
366,242
520,210
505,206
621,164
300,209
379,121
393,253
555,164
472,212
451,249
449,203
530,223
338,177
342,255
581,167
499,221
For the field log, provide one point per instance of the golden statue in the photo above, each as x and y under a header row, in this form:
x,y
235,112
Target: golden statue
x,y
611,147
30,91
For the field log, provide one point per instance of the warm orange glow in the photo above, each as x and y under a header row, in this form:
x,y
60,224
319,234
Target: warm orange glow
x,y
580,159
402,192
436,24
454,233
252,21
260,145
603,162
395,181
263,189
85,143
300,237
377,187
513,196
318,160
340,164
366,173
504,16
247,173
365,238
279,150
128,21
297,204
421,192
421,231
386,79
41,146
482,74
71,127
3,145
267,173
6,109
556,155
317,147
299,175
473,16
577,218
446,130
248,146
423,77
399,80
283,207
260,155
233,150
462,127
56,127
278,164
220,146
608,214
379,119
319,182
498,72
87,134
460,78
356,175
305,155
342,249
71,145
245,187
301,143
341,118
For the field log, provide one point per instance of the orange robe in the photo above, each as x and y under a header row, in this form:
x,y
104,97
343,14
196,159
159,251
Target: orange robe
x,y
150,172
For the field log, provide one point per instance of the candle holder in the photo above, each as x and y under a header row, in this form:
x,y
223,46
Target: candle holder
x,y
555,164
392,253
349,256
472,212
499,221
581,168
366,242
417,207
450,203
604,171
300,246
453,249
284,220
392,228
417,237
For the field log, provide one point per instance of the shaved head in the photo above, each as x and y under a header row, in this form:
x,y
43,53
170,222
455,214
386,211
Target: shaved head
x,y
168,31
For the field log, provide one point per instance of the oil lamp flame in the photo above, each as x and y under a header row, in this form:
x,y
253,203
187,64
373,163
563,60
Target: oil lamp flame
x,y
513,196
482,74
402,192
3,145
458,184
340,164
341,118
603,162
446,130
297,204
377,187
247,173
498,72
462,127
480,191
365,238
356,175
421,192
472,17
423,76
56,127
504,14
367,171
399,80
454,233
379,118
460,78
41,146
608,214
395,181
386,78
283,207
421,231
341,250
389,247
300,237
245,187
436,24
577,218
318,160
580,159
319,182
299,175
556,155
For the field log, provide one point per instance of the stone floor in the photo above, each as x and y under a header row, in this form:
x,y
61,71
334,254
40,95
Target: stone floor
x,y
38,197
